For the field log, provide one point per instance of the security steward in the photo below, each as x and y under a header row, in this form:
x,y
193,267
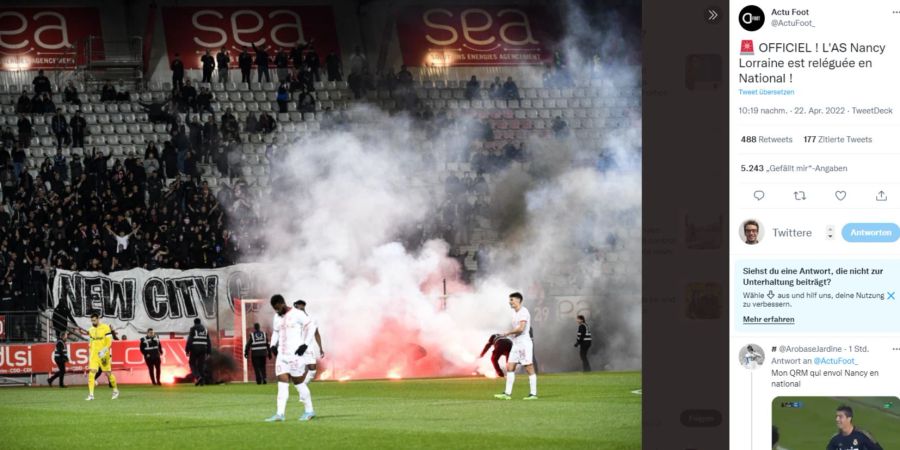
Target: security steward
x,y
257,349
152,352
584,343
198,348
60,357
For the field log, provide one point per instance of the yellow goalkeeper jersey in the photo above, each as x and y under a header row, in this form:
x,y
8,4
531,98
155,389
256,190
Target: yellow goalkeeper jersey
x,y
101,337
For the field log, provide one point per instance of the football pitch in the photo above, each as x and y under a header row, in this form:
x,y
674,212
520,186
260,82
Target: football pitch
x,y
811,426
595,410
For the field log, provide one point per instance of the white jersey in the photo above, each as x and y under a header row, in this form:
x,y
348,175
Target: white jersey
x,y
518,316
312,352
751,359
290,331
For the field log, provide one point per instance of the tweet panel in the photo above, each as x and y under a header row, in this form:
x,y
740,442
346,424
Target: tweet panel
x,y
814,224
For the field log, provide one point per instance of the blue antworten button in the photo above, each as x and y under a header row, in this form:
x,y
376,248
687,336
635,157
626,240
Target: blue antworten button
x,y
871,232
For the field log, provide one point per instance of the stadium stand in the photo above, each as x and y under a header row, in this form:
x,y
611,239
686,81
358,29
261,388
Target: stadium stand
x,y
152,188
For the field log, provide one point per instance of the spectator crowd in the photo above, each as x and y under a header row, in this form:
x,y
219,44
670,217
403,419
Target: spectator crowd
x,y
92,212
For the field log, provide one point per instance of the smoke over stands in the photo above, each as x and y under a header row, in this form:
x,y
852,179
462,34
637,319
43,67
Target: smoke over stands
x,y
347,207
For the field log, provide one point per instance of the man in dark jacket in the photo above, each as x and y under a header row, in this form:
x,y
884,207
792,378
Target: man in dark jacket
x,y
198,348
245,62
41,83
281,63
62,315
262,63
257,349
25,131
78,125
60,128
60,357
177,72
209,63
152,351
584,343
222,61
334,67
23,105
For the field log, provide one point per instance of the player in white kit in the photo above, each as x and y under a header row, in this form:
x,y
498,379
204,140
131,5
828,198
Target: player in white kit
x,y
291,337
310,356
522,349
752,359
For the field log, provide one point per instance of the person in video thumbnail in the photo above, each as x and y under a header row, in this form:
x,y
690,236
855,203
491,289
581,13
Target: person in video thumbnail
x,y
849,437
751,232
752,358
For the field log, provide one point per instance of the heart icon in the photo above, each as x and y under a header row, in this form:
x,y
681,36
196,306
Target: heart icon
x,y
841,195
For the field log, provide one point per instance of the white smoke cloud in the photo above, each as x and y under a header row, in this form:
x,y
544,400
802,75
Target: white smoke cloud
x,y
346,199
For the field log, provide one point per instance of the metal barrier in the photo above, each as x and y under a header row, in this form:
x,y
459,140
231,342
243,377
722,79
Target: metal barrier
x,y
24,326
99,53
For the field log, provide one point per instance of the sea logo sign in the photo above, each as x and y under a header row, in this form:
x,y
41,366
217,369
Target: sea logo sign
x,y
475,36
46,38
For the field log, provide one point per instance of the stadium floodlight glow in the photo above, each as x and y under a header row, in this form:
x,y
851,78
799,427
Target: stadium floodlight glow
x,y
21,64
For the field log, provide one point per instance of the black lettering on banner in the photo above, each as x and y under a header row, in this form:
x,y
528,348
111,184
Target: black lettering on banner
x,y
174,303
156,302
93,294
78,285
109,310
207,288
184,286
121,302
66,294
238,286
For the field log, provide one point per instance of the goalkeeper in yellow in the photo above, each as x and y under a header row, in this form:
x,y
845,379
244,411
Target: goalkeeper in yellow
x,y
101,354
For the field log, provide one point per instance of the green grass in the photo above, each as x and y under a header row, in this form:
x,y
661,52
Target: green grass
x,y
594,411
811,427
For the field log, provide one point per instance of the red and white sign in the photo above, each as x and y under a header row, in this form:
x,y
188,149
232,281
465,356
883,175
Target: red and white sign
x,y
27,359
2,326
38,358
190,31
444,36
45,38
